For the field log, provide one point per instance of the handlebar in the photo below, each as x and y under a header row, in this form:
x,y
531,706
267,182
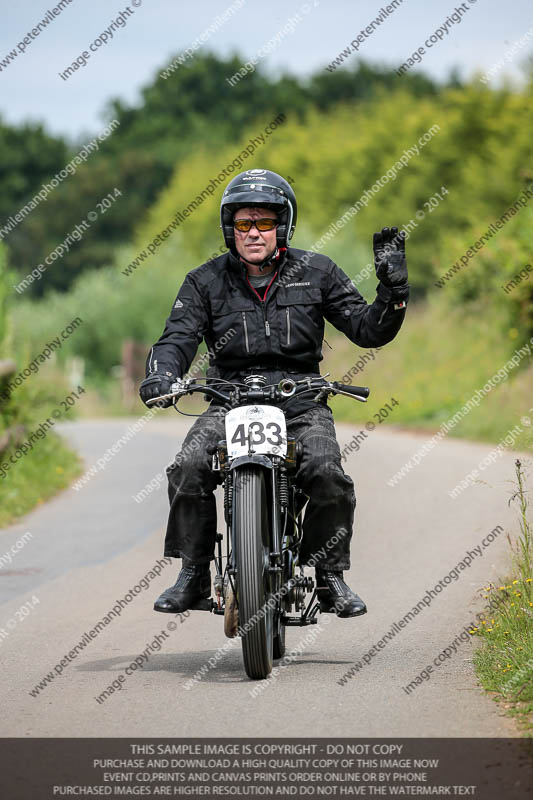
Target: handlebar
x,y
352,391
239,394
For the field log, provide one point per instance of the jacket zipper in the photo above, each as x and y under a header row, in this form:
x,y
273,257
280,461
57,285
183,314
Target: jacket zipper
x,y
262,300
245,332
267,324
287,312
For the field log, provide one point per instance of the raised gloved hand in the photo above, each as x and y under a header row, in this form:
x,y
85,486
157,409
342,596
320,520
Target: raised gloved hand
x,y
389,257
156,385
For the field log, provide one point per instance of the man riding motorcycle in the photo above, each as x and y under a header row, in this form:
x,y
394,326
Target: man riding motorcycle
x,y
261,309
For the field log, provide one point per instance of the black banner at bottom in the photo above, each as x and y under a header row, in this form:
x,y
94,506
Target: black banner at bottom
x,y
486,769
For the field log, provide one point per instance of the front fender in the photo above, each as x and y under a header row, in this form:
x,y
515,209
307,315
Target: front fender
x,y
261,460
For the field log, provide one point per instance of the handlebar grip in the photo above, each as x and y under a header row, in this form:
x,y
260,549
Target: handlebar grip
x,y
357,391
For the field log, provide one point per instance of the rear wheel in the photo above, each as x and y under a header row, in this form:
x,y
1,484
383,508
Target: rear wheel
x,y
252,561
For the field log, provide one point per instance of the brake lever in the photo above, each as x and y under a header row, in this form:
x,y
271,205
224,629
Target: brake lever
x,y
153,400
177,390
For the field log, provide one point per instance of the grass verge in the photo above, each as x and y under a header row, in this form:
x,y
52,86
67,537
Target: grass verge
x,y
31,481
438,361
504,659
50,464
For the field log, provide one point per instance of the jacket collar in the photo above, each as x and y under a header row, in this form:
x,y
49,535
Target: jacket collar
x,y
236,265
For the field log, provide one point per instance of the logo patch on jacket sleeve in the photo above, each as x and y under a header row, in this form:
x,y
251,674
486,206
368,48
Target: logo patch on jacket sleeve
x,y
178,304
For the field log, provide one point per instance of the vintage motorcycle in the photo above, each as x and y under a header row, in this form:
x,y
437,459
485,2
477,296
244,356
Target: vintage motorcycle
x,y
261,582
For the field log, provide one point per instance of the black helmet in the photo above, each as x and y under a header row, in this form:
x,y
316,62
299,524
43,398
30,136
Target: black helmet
x,y
259,187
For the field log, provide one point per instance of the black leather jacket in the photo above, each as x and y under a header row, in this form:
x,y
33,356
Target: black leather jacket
x,y
284,331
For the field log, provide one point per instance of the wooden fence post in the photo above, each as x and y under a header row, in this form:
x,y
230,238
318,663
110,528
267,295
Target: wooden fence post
x,y
132,373
16,434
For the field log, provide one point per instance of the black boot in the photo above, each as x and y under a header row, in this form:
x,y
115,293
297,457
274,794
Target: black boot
x,y
335,596
193,584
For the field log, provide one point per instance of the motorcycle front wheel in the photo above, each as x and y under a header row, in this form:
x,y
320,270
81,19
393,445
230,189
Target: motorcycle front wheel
x,y
252,561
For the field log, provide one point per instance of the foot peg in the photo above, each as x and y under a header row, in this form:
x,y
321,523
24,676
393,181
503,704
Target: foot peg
x,y
298,622
203,605
326,608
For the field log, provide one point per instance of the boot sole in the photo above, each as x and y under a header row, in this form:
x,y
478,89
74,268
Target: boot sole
x,y
327,609
179,610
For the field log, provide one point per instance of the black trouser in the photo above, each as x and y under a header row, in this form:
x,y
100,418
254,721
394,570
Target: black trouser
x,y
328,519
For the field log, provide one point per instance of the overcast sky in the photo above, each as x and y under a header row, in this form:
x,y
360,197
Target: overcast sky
x,y
156,30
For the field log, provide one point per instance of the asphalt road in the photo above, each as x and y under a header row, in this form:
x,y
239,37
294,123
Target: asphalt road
x,y
90,547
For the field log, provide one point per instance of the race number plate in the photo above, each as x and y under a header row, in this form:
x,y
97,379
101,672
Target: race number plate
x,y
260,429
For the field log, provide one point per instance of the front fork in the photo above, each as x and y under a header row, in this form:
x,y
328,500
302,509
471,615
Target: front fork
x,y
275,566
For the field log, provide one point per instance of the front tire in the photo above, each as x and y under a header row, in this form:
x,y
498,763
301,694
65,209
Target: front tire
x,y
252,560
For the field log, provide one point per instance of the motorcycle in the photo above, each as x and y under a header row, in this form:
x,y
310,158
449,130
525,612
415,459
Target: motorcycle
x,y
262,582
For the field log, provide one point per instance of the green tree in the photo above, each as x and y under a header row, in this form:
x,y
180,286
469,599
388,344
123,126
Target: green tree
x,y
28,156
194,107
5,290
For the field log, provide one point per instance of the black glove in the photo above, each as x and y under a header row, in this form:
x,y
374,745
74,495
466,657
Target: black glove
x,y
389,257
154,386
